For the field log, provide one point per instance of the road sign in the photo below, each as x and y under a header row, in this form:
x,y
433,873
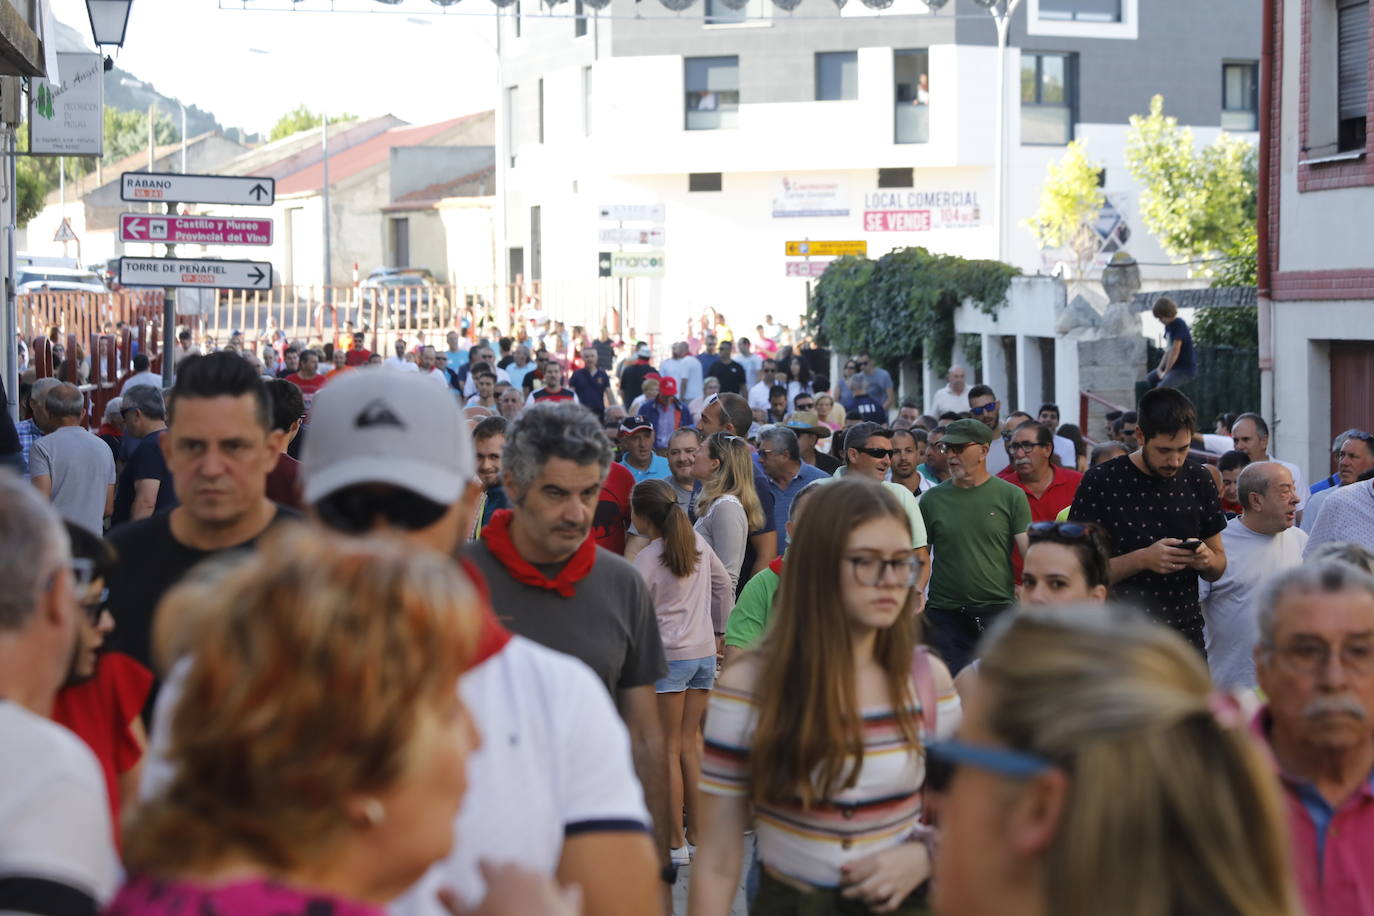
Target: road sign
x,y
621,236
826,249
203,230
207,273
631,213
603,264
171,187
637,264
807,268
65,233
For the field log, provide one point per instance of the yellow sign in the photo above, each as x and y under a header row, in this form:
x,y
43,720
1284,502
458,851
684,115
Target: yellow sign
x,y
810,249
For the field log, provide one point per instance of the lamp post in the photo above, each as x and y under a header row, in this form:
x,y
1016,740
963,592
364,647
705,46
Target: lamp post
x,y
1001,12
109,20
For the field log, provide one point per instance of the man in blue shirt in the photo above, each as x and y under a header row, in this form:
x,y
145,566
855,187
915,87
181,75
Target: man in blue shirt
x,y
1179,363
780,455
637,445
591,382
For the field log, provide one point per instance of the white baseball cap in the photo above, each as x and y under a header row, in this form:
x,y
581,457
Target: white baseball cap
x,y
398,428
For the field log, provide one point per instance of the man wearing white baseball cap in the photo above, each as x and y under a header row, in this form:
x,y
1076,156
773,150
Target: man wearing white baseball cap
x,y
552,787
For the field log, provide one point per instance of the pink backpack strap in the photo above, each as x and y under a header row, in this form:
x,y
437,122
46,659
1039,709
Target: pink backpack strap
x,y
924,678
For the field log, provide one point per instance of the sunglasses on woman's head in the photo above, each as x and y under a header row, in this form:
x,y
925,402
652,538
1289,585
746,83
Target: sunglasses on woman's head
x,y
1074,531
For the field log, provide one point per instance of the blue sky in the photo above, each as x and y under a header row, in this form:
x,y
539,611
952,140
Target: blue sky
x,y
417,65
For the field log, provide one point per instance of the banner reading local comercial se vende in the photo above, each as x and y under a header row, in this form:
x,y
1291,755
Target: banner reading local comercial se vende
x,y
921,211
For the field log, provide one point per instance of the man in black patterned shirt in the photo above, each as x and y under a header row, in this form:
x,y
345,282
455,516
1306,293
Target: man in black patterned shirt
x,y
1163,513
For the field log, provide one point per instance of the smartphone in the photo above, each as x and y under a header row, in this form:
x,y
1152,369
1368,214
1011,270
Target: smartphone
x,y
1189,544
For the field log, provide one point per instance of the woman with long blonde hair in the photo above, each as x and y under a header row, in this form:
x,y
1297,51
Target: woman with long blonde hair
x,y
819,730
1097,772
728,507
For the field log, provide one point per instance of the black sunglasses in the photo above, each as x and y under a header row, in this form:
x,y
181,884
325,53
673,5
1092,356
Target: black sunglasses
x,y
877,452
1073,531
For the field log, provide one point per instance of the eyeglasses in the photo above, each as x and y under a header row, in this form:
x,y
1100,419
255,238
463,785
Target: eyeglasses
x,y
95,607
944,448
1017,447
943,758
877,452
1314,657
765,452
869,570
805,406
1074,531
986,408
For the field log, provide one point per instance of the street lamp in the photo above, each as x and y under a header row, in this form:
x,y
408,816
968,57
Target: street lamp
x,y
109,20
1001,12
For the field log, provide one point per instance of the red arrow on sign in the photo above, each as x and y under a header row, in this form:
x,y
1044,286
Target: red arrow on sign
x,y
134,228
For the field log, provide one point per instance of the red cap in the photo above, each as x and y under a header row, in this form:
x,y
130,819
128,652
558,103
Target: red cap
x,y
668,387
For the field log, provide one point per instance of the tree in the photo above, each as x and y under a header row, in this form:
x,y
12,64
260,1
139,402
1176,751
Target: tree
x,y
1199,203
126,132
301,118
1070,200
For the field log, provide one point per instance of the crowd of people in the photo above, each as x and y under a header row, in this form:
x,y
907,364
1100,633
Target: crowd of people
x,y
528,626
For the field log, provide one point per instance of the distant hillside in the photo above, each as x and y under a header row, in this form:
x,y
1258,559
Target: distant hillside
x,y
127,92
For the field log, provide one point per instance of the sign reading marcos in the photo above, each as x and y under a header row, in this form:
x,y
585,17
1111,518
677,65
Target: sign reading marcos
x,y
921,211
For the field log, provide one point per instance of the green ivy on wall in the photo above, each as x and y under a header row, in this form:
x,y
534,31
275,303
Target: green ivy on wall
x,y
903,303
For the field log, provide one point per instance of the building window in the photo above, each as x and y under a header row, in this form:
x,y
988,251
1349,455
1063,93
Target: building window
x,y
400,242
1352,72
536,245
703,181
712,92
837,76
579,19
717,13
512,122
1239,99
1081,10
1047,94
911,94
586,101
897,178
541,111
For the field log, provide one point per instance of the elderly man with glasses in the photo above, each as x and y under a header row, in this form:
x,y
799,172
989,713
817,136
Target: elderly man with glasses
x,y
1315,663
974,521
1049,488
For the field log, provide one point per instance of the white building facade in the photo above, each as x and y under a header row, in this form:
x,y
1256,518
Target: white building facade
x,y
755,128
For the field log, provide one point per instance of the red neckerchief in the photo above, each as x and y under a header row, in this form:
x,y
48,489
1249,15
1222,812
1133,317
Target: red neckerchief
x,y
776,566
493,637
497,537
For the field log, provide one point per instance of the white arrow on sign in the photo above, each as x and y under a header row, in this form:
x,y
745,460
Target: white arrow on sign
x,y
172,187
631,213
204,274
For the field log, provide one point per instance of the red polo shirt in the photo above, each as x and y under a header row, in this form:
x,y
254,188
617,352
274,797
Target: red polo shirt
x,y
1057,498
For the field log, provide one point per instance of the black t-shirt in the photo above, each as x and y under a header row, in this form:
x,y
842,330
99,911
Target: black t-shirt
x,y
632,380
146,463
731,376
151,561
1138,509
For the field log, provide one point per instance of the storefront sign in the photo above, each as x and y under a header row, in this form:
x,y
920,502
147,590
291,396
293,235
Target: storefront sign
x,y
811,195
68,118
921,211
637,264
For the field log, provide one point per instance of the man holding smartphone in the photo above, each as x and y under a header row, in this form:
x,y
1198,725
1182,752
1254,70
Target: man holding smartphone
x,y
1163,513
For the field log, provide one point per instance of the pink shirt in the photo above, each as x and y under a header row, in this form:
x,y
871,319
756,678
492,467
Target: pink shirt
x,y
690,610
1333,848
255,897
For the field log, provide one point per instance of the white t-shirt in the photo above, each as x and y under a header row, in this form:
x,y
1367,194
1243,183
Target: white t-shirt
x,y
1068,455
146,377
998,461
687,371
54,813
1228,604
758,396
946,401
470,383
753,365
555,759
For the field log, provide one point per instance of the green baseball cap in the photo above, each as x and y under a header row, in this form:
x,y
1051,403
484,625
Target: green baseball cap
x,y
961,432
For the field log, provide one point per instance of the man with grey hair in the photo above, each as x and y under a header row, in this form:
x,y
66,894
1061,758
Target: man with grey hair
x,y
1354,456
37,425
145,484
779,453
686,369
1347,514
1315,663
953,398
71,466
551,582
56,849
1260,543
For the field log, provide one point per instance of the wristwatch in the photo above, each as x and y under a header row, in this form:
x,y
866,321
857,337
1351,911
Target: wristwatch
x,y
669,874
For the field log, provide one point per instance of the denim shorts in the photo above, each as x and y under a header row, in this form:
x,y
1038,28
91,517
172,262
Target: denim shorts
x,y
696,673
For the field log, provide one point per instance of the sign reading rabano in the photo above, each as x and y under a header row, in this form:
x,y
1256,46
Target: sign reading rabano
x,y
67,118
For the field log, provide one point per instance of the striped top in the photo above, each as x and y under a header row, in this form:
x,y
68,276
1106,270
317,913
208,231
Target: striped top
x,y
879,811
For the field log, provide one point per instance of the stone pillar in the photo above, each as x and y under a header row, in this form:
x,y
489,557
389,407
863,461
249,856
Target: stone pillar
x,y
1029,380
995,367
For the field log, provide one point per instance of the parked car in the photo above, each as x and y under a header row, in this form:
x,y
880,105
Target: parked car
x,y
403,295
34,279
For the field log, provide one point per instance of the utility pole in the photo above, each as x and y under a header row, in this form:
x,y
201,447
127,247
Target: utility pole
x,y
328,254
169,318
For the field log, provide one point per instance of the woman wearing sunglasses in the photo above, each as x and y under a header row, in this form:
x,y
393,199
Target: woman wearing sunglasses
x,y
1096,772
818,729
1066,563
728,508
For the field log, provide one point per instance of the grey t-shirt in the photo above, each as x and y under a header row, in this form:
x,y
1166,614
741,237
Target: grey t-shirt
x,y
81,468
609,622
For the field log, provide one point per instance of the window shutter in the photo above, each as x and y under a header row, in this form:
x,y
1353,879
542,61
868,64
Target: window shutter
x,y
1352,30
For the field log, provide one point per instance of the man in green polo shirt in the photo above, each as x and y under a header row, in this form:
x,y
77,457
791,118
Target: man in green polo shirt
x,y
973,522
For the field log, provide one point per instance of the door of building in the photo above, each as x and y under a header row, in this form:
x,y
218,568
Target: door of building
x,y
1352,385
